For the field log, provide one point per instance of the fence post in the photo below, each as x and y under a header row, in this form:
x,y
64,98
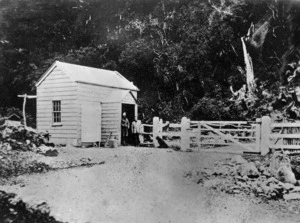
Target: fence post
x,y
184,139
257,134
199,136
140,131
265,134
160,129
155,131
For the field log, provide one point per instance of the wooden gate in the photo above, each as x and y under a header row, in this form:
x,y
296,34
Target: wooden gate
x,y
245,135
198,135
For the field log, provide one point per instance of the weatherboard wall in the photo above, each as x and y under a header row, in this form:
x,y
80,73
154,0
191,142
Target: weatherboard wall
x,y
58,86
110,101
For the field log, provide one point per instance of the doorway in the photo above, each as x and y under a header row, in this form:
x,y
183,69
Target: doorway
x,y
130,114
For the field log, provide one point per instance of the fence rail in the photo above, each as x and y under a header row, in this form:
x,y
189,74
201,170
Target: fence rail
x,y
255,136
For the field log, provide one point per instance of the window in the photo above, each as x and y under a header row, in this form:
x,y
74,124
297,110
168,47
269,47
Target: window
x,y
56,111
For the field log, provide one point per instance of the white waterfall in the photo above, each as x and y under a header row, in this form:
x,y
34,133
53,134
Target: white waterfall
x,y
249,68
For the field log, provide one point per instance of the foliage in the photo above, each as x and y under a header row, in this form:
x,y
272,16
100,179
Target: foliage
x,y
183,55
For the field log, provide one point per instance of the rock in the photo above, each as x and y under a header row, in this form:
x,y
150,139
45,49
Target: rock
x,y
266,189
200,180
291,196
296,189
6,146
238,160
288,186
278,160
274,187
266,173
258,165
272,180
188,174
47,151
235,170
286,175
221,170
248,169
208,172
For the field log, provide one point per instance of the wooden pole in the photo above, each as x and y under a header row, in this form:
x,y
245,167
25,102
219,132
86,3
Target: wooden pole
x,y
25,96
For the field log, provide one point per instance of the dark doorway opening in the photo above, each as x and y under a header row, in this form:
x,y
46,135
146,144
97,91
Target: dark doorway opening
x,y
130,114
129,109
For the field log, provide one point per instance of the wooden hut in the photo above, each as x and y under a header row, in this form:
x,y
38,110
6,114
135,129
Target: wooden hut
x,y
78,104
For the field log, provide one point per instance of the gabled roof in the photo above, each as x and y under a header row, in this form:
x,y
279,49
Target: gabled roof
x,y
90,75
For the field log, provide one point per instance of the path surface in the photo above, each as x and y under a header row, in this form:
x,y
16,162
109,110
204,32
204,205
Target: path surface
x,y
139,185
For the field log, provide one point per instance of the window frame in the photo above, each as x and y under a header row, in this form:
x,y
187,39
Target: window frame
x,y
56,112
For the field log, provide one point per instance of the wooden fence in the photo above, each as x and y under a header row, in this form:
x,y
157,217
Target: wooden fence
x,y
258,136
196,135
284,135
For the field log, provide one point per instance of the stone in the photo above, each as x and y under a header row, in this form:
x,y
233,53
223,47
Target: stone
x,y
266,189
274,187
47,151
288,186
248,169
221,170
296,189
286,175
278,160
238,159
291,196
258,165
235,170
272,180
208,172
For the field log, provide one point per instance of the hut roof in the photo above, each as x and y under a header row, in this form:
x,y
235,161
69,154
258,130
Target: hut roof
x,y
90,75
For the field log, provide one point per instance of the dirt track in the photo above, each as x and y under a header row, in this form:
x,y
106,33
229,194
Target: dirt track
x,y
138,185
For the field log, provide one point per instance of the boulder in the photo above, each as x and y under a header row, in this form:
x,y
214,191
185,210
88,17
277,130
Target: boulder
x,y
291,196
296,189
248,169
286,175
47,151
238,160
266,189
278,160
288,186
272,180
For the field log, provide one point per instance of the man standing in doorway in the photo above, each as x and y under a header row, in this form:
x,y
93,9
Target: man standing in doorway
x,y
135,130
124,128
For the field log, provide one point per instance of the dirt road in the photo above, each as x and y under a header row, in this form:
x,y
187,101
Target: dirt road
x,y
139,185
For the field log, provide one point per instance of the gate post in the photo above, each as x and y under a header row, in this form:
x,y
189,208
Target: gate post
x,y
184,139
265,134
155,131
258,134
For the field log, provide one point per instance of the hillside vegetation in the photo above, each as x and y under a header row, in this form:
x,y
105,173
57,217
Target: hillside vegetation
x,y
185,56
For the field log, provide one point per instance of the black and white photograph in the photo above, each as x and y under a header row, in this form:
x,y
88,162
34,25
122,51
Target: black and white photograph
x,y
149,111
